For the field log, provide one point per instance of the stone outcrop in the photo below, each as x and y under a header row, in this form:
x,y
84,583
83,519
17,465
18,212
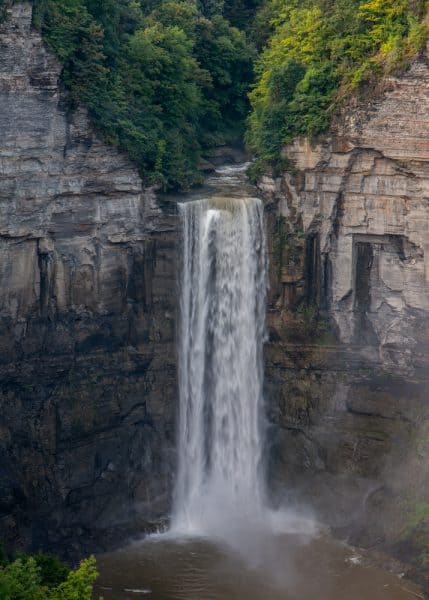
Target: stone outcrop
x,y
87,311
348,360
361,194
87,317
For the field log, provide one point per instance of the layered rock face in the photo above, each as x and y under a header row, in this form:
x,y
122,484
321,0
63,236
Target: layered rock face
x,y
349,244
87,310
87,316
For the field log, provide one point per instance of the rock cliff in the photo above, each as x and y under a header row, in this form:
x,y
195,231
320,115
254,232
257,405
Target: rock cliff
x,y
87,310
347,361
87,316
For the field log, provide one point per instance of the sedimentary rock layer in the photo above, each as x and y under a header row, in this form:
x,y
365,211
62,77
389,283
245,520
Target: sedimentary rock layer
x,y
347,361
87,310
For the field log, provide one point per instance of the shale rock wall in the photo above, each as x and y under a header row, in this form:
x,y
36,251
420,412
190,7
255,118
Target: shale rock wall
x,y
87,311
348,361
360,198
87,317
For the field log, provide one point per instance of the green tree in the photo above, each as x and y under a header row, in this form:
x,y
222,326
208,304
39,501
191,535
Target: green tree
x,y
52,570
79,583
44,578
165,81
77,39
241,13
20,580
209,8
317,53
226,56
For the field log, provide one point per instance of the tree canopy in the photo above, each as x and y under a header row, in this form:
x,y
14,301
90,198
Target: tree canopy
x,y
169,80
165,81
44,577
317,52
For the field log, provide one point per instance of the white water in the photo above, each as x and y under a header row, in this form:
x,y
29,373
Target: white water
x,y
220,491
223,290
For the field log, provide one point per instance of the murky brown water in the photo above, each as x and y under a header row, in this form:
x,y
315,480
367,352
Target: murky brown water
x,y
286,567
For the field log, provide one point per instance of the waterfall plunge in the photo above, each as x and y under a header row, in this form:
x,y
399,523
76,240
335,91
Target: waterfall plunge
x,y
223,290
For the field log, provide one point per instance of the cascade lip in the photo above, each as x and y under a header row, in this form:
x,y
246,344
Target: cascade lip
x,y
228,203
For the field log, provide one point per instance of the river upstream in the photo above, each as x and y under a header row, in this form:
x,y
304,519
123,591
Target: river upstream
x,y
225,541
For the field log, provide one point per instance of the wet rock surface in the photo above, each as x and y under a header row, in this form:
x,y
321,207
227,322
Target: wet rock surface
x,y
347,360
87,319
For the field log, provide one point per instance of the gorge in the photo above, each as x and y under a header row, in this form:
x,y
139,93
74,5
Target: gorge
x,y
226,540
90,257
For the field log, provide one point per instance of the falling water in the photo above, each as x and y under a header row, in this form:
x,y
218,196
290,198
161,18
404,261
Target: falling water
x,y
251,551
223,289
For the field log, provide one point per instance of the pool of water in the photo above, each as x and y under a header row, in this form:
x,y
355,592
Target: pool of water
x,y
285,567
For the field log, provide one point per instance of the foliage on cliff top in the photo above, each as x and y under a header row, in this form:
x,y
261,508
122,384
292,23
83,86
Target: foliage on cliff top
x,y
167,80
318,51
163,80
44,577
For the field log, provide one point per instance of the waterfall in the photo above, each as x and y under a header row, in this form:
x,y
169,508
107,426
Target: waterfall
x,y
222,328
